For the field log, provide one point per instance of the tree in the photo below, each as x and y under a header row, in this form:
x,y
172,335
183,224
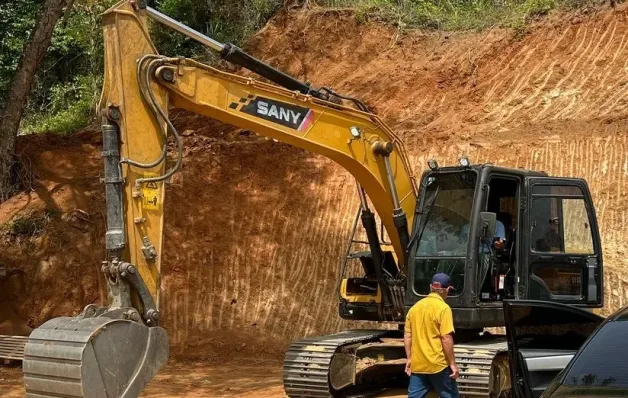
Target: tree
x,y
34,51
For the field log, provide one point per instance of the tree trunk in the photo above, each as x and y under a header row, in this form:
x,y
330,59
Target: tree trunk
x,y
34,50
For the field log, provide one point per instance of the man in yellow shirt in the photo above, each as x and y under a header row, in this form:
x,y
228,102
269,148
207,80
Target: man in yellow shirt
x,y
429,344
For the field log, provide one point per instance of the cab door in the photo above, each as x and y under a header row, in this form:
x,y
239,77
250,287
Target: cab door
x,y
562,246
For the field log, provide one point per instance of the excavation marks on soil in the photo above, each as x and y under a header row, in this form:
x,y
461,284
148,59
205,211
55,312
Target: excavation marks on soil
x,y
578,71
561,72
279,281
287,290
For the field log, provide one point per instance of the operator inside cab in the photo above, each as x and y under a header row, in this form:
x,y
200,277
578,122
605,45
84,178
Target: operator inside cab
x,y
499,239
496,258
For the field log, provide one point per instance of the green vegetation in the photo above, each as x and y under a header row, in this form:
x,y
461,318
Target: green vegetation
x,y
23,230
227,21
18,20
68,80
67,84
455,14
28,225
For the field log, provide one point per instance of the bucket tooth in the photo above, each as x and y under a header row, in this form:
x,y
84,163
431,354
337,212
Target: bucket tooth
x,y
92,357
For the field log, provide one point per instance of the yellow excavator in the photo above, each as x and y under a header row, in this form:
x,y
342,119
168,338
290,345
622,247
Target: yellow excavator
x,y
550,248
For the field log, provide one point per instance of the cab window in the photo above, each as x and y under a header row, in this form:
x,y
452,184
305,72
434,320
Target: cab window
x,y
443,230
560,220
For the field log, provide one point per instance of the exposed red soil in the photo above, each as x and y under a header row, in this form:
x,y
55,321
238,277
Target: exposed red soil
x,y
553,100
52,263
244,378
255,229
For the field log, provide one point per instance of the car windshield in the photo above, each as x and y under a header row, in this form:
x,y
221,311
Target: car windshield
x,y
444,226
600,369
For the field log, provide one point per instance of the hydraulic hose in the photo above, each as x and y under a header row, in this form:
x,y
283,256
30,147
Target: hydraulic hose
x,y
156,107
148,96
144,87
359,104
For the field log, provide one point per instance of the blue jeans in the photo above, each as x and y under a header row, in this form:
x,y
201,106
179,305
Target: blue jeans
x,y
421,384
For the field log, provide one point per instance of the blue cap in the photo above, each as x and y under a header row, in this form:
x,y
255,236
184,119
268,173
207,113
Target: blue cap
x,y
441,281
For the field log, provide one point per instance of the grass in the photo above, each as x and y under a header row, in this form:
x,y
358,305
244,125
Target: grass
x,y
453,15
30,225
66,121
23,229
70,108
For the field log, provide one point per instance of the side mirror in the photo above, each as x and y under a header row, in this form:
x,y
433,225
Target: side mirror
x,y
487,225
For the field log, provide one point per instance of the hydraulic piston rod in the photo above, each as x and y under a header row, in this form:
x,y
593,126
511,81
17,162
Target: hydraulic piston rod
x,y
399,216
235,55
185,30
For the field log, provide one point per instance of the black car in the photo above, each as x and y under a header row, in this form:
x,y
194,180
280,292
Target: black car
x,y
557,351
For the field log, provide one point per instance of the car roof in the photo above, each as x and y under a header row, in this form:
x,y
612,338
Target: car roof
x,y
619,316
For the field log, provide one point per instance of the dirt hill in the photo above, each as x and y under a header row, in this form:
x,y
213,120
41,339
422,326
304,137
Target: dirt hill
x,y
255,229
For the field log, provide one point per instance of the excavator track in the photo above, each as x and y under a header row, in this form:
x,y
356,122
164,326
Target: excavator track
x,y
474,360
310,362
307,365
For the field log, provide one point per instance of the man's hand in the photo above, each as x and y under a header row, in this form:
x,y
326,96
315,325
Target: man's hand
x,y
455,371
407,342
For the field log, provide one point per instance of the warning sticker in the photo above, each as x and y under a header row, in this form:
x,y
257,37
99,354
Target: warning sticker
x,y
150,194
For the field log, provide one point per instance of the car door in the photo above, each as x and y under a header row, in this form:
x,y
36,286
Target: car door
x,y
562,248
542,339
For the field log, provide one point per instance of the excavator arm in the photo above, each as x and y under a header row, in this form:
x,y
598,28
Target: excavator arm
x,y
114,351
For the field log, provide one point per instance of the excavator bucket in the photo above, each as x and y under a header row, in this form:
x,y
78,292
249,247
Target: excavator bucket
x,y
92,357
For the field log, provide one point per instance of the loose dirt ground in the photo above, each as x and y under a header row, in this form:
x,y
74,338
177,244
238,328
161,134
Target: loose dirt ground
x,y
246,378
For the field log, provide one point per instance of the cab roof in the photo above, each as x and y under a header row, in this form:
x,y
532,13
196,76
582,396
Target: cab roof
x,y
488,167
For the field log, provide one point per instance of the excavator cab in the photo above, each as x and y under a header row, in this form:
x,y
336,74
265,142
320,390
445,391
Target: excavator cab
x,y
503,233
499,233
